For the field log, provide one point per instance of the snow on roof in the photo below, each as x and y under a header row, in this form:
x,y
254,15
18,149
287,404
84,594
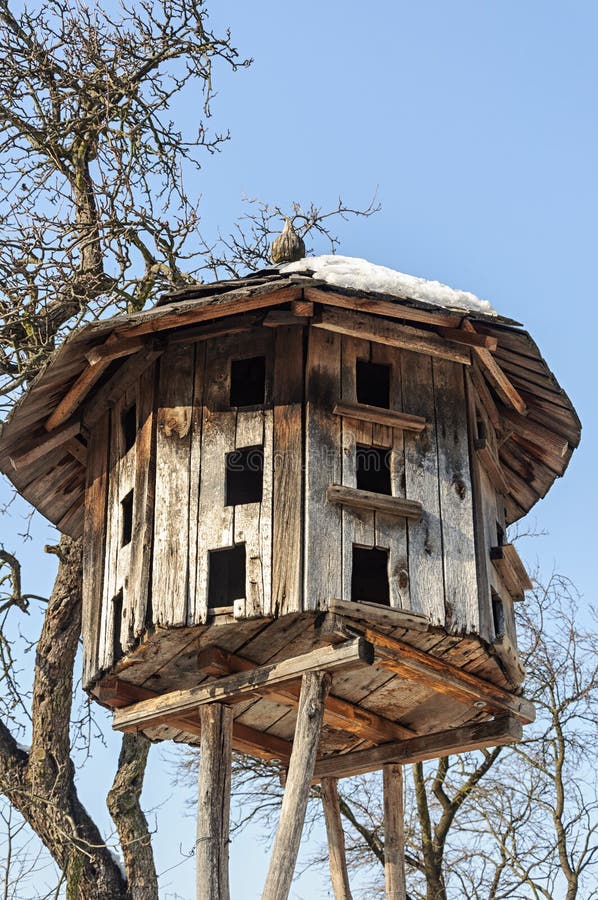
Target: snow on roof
x,y
361,275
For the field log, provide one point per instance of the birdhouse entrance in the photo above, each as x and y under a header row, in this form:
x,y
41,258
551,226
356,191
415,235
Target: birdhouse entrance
x,y
226,576
369,580
373,469
247,381
373,383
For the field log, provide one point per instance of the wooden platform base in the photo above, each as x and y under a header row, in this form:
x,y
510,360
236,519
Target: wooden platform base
x,y
400,691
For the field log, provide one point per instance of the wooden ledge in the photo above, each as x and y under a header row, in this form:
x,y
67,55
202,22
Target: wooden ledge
x,y
357,499
495,733
376,614
509,566
379,416
234,688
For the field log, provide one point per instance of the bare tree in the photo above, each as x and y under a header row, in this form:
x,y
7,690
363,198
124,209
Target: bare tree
x,y
96,217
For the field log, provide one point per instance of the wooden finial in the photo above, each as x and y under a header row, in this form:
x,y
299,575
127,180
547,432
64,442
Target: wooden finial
x,y
288,246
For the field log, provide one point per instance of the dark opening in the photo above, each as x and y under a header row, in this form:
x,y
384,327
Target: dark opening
x,y
127,519
226,575
373,383
117,617
369,579
498,615
129,421
248,381
373,469
500,534
244,475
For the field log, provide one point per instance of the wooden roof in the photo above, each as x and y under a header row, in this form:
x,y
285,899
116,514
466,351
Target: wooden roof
x,y
42,443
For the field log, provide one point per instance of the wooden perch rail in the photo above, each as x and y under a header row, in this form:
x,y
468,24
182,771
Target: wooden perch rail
x,y
379,416
357,499
237,687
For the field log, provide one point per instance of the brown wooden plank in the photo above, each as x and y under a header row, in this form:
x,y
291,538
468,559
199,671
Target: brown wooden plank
x,y
357,499
471,338
213,806
389,417
44,445
393,308
336,840
371,328
112,392
113,348
394,832
375,614
75,395
536,433
495,375
496,732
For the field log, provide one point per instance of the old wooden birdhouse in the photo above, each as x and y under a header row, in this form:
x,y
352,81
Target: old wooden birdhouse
x,y
311,468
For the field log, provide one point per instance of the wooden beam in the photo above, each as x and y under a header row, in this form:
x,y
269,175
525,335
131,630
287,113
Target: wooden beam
x,y
314,689
47,444
394,832
337,857
471,338
357,499
545,438
444,677
182,313
302,308
379,416
394,334
278,318
114,348
495,375
393,308
213,806
491,465
341,714
509,566
476,736
111,392
75,395
117,694
77,450
376,614
236,687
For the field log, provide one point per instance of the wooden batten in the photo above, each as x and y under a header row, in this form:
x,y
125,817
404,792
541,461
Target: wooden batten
x,y
371,328
511,569
392,308
61,437
387,417
391,506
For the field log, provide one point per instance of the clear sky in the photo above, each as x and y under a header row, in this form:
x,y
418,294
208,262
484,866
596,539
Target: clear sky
x,y
476,122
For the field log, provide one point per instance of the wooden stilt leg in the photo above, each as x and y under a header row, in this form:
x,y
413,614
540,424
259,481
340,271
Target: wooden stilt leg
x,y
314,690
213,812
336,840
394,832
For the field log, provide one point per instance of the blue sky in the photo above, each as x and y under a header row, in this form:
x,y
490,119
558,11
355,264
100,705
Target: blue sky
x,y
476,122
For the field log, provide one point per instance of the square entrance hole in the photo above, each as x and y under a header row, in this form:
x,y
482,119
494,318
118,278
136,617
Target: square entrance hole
x,y
369,578
248,381
244,476
373,383
373,469
226,582
498,615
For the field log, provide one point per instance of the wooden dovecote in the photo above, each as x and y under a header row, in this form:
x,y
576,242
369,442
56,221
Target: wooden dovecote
x,y
275,475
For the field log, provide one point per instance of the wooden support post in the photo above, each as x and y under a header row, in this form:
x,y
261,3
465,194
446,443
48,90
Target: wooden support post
x,y
394,833
213,808
336,840
314,690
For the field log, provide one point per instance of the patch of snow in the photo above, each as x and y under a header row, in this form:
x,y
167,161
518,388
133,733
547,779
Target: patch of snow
x,y
361,275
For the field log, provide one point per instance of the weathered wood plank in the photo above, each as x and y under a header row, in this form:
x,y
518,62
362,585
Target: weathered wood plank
x,y
336,840
323,462
426,576
356,499
391,418
294,804
456,511
496,732
213,807
75,395
195,480
393,308
371,328
94,542
57,438
170,578
375,614
287,557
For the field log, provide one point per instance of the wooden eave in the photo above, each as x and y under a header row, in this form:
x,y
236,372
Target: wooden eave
x,y
54,482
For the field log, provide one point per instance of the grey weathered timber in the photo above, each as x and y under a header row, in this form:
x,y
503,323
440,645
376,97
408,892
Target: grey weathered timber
x,y
170,578
287,500
394,832
352,653
495,733
375,615
94,541
364,500
387,417
456,511
314,689
213,808
426,575
323,467
336,840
